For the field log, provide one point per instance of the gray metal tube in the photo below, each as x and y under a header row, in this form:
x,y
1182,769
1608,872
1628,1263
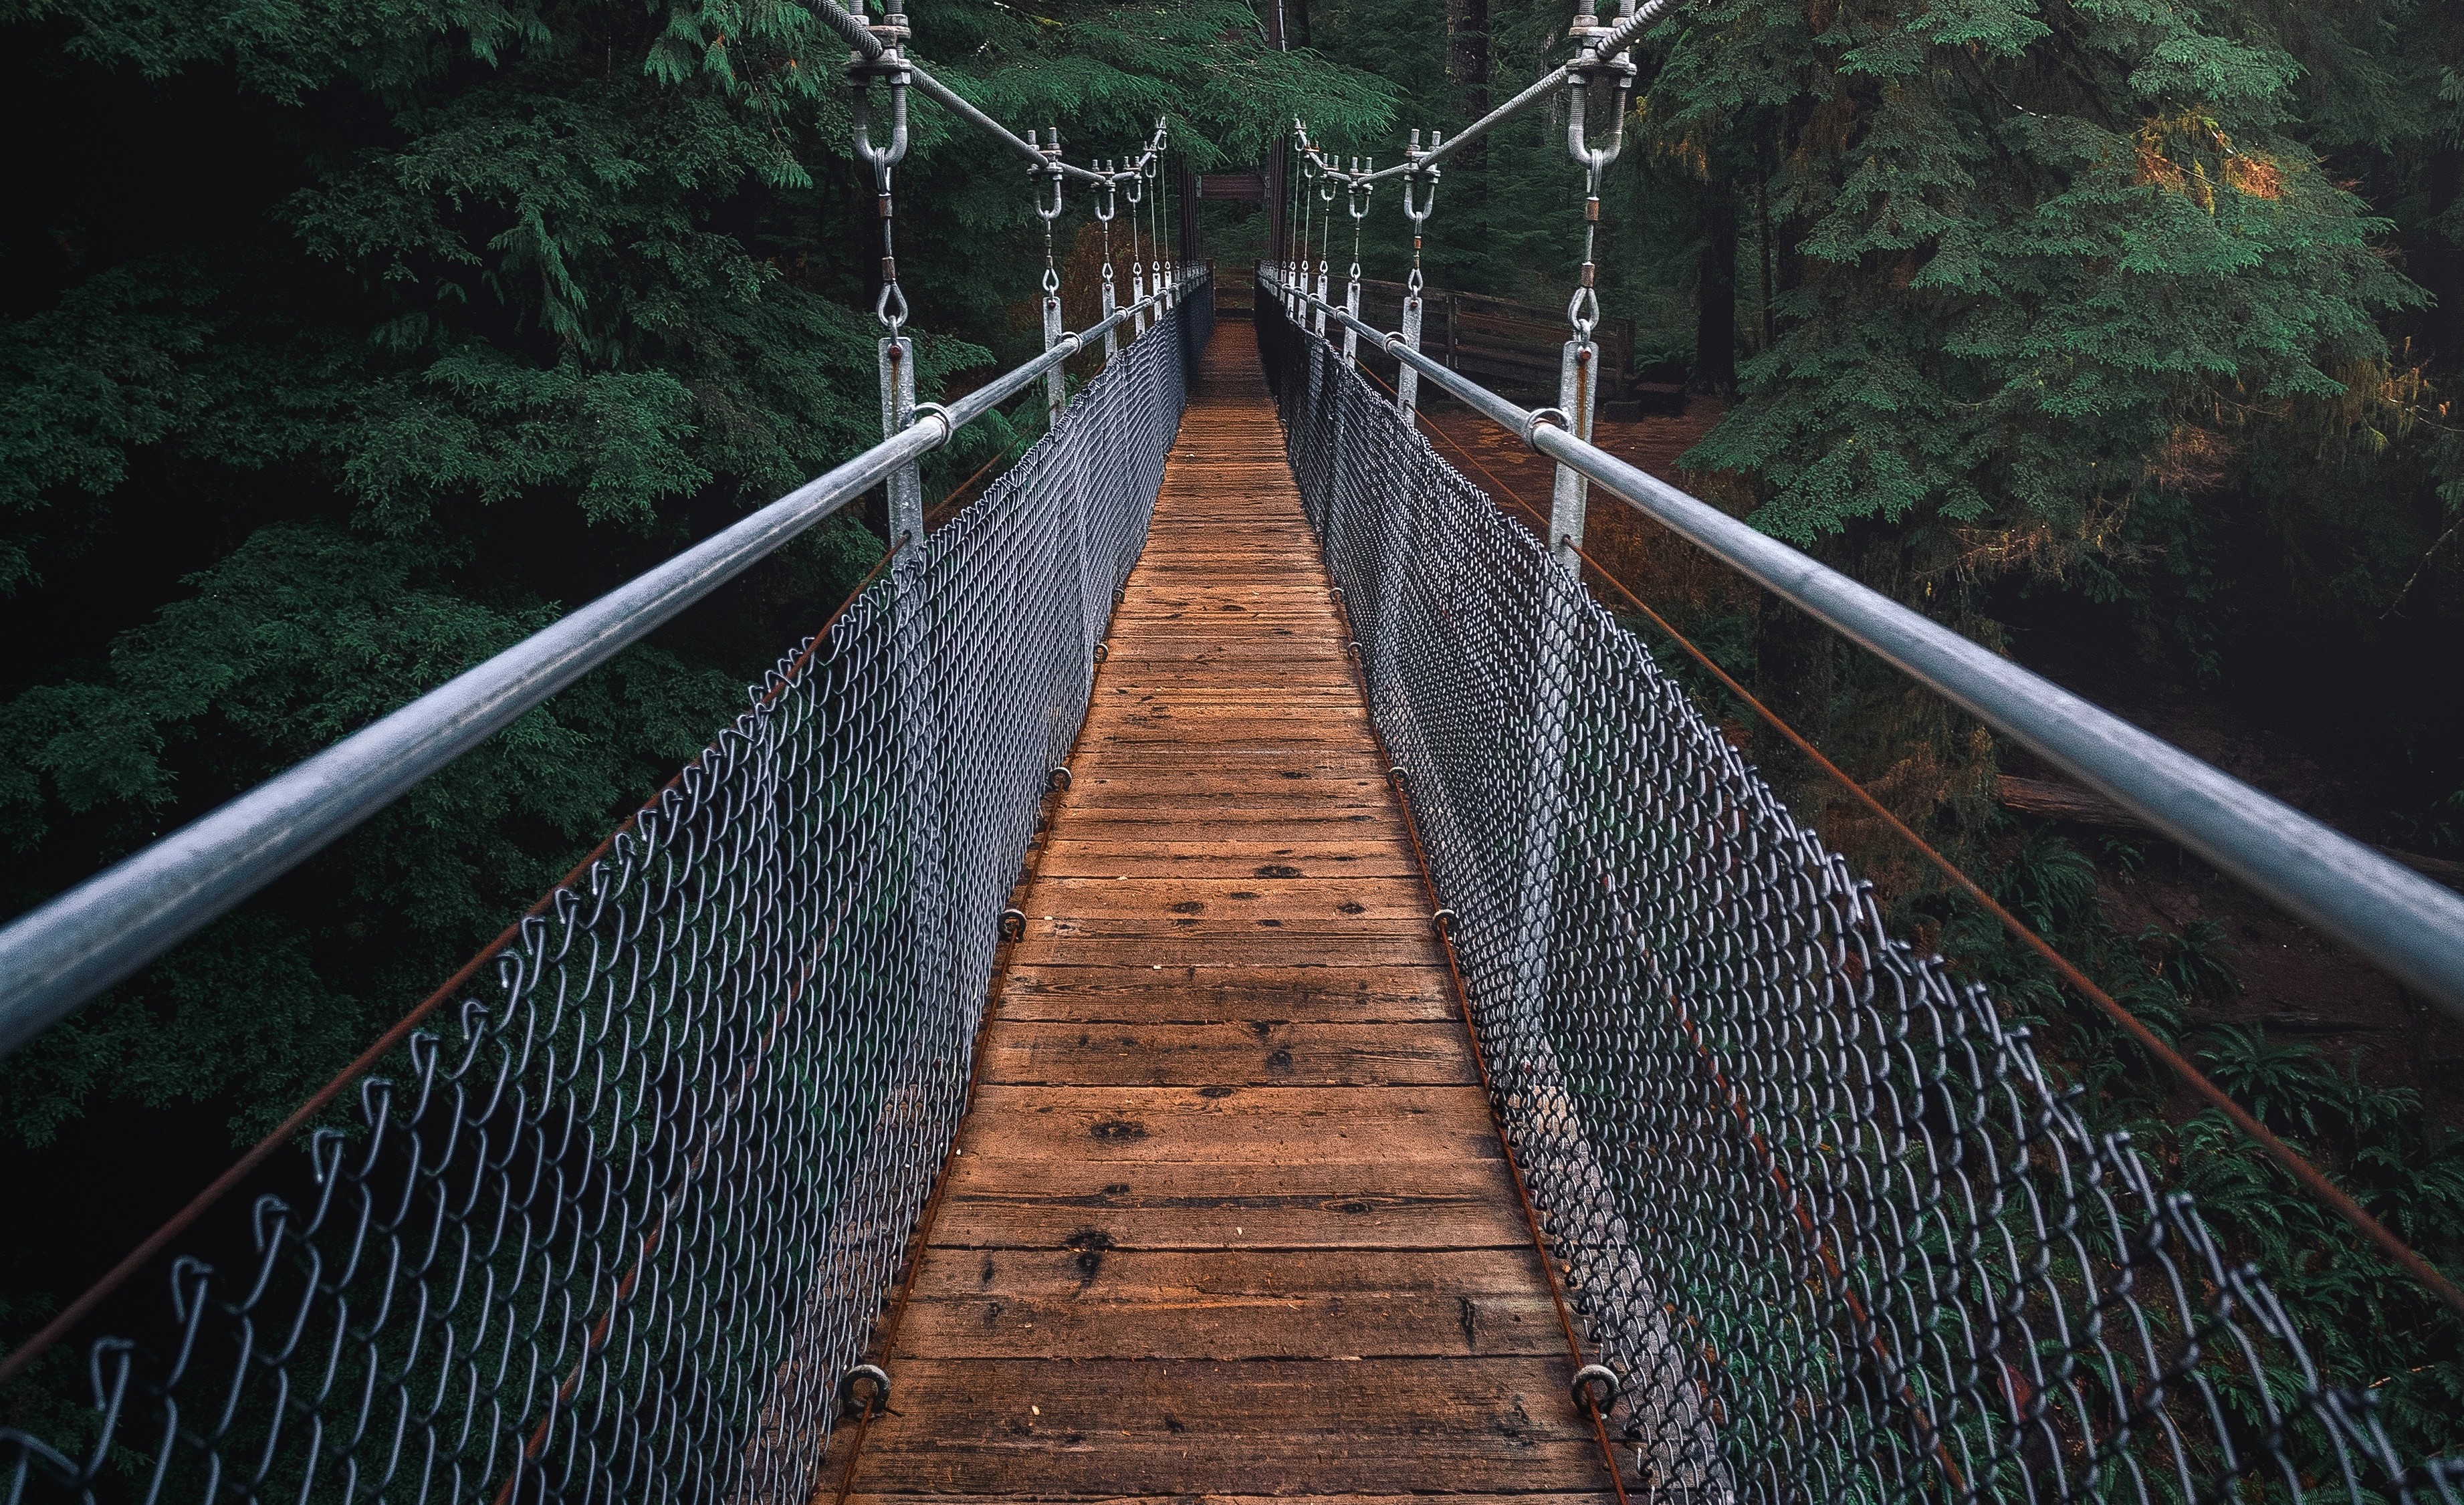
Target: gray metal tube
x,y
950,98
1540,90
2402,922
856,33
55,957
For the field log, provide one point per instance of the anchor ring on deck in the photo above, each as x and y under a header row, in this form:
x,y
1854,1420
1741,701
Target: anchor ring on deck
x,y
1446,921
872,1404
1595,1386
1013,924
1058,779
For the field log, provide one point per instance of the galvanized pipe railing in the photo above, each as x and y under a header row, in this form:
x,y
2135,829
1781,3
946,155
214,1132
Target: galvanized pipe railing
x,y
2400,921
55,958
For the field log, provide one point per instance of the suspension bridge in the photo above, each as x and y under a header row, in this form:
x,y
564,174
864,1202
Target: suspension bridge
x,y
1222,971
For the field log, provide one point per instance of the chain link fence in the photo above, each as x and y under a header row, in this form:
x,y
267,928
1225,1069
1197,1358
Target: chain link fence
x,y
1839,1230
619,1229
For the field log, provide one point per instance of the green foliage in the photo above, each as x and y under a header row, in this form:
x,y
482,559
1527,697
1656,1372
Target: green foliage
x,y
2030,243
2121,338
344,344
2197,961
2048,882
2279,1083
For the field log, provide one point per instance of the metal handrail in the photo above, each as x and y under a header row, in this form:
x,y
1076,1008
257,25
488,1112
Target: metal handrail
x,y
55,957
2400,921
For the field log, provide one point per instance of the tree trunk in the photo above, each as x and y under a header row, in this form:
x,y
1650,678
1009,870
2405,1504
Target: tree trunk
x,y
1763,233
2439,265
1715,306
1468,66
1271,169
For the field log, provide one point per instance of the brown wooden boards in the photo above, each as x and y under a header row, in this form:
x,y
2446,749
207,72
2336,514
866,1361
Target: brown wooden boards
x,y
1229,1217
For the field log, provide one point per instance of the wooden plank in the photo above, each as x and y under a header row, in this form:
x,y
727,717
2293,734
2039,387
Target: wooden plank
x,y
870,1495
1241,824
1401,1425
1089,856
1261,945
1219,994
1332,935
882,1493
1308,1203
1348,897
1138,1126
1252,1053
1098,1303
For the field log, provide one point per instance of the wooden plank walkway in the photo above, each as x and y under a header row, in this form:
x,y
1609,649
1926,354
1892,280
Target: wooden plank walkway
x,y
1229,1217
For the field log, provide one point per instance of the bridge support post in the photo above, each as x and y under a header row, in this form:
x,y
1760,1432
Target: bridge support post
x,y
1351,306
1335,389
1407,381
1106,207
1056,386
1111,345
1577,390
941,1034
905,487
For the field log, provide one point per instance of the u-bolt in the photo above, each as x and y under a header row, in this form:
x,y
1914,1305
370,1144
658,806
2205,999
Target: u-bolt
x,y
894,68
1050,172
1425,179
1587,63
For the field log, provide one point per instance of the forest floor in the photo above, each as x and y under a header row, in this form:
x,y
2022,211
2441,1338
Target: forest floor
x,y
2294,982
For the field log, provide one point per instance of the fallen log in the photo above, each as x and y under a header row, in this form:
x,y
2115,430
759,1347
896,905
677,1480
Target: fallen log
x,y
2060,801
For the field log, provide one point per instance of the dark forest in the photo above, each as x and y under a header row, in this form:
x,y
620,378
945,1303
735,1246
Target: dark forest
x,y
343,343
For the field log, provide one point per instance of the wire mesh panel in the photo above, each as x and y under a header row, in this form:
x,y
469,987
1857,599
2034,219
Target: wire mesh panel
x,y
616,1229
1839,1230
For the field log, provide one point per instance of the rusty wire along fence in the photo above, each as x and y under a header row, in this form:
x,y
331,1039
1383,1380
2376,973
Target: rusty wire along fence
x,y
1836,1227
617,1229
